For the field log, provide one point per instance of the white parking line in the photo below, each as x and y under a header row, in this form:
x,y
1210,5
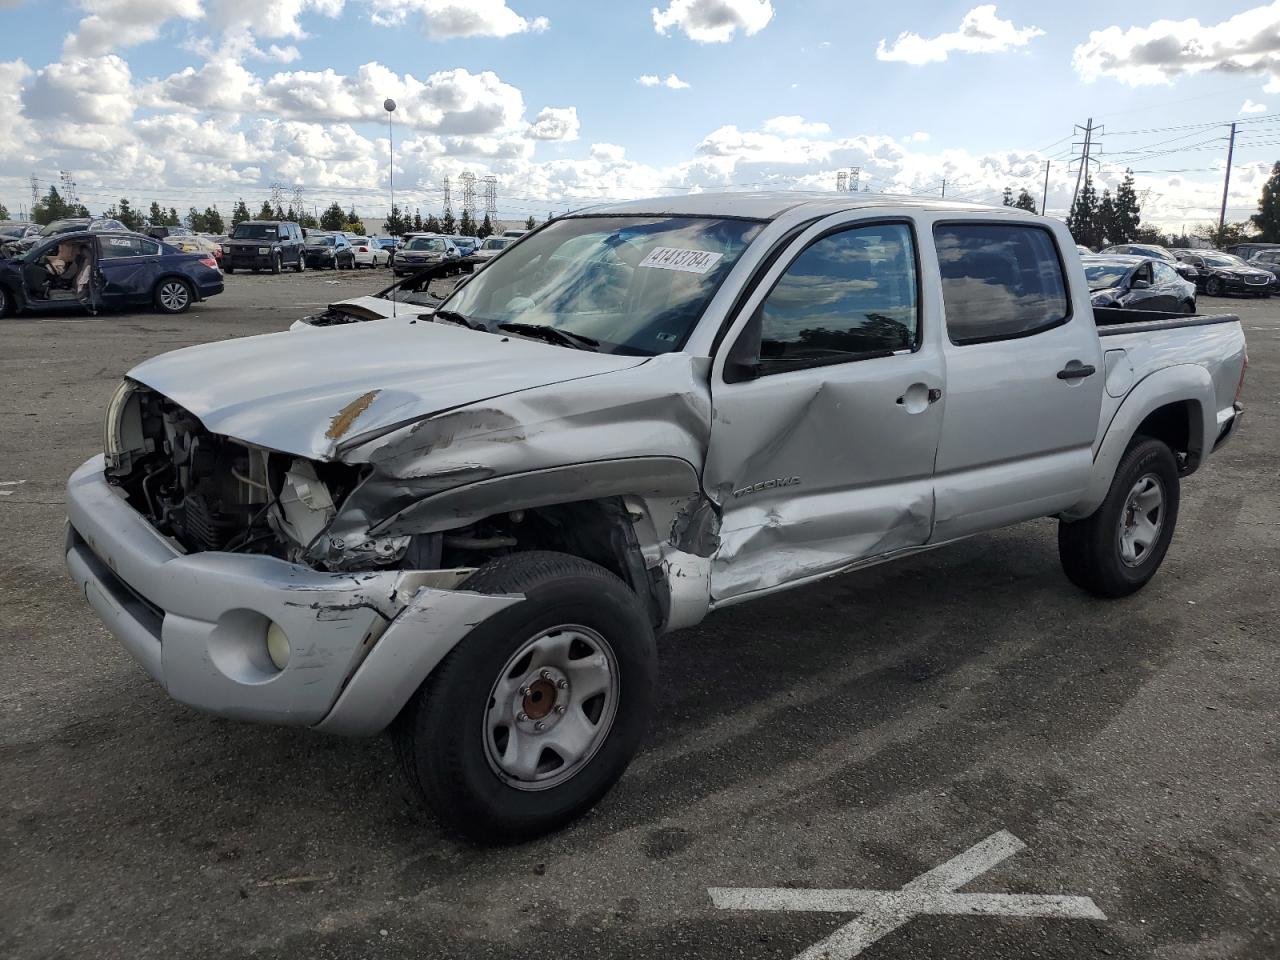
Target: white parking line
x,y
10,483
883,911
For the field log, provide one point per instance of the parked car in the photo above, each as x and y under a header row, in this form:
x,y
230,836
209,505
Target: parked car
x,y
421,250
1083,250
195,243
1185,270
390,245
492,247
18,229
514,233
1137,283
466,245
105,270
1268,260
329,251
264,245
369,254
1247,251
161,232
469,528
1218,274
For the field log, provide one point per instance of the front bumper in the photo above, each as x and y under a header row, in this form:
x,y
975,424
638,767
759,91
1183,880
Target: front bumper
x,y
1234,285
361,643
239,260
403,267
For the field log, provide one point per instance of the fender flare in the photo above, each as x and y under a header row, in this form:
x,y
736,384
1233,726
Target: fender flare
x,y
1184,383
644,477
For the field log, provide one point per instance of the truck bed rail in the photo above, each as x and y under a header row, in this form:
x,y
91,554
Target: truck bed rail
x,y
1116,320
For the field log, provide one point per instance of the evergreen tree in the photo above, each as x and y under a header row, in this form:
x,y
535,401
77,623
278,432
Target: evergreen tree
x,y
50,207
1106,220
353,222
155,216
290,215
131,218
530,223
417,221
306,220
1082,221
279,213
447,223
332,218
486,228
467,225
265,213
395,225
1026,201
240,213
1128,218
213,220
194,220
172,219
4,212
1267,219
1007,197
431,224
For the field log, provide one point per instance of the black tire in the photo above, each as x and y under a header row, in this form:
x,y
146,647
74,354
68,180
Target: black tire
x,y
6,302
1189,306
172,296
228,270
441,734
1090,549
301,265
277,265
1213,287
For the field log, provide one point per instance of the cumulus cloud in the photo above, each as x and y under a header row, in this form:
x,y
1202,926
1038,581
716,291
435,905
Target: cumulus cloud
x,y
713,21
793,126
449,19
87,90
555,123
272,19
1249,42
653,80
124,23
1250,107
981,31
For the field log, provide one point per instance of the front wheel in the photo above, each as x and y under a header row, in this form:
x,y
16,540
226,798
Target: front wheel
x,y
228,270
301,264
172,296
277,264
1119,547
5,306
530,720
1213,287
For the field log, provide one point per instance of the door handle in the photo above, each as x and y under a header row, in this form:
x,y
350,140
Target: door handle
x,y
1076,372
918,397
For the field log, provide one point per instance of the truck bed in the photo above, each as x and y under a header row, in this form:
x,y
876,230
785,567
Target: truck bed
x,y
1116,320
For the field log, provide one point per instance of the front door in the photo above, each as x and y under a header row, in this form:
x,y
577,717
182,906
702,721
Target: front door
x,y
128,268
827,407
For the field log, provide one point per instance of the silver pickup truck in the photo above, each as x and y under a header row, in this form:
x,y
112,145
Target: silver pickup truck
x,y
466,523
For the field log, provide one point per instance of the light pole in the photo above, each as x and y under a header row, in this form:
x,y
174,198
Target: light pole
x,y
389,105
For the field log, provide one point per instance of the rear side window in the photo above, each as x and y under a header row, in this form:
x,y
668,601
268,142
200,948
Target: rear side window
x,y
998,281
114,248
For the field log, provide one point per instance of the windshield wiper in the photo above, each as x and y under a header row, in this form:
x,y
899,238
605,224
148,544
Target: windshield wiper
x,y
564,338
453,316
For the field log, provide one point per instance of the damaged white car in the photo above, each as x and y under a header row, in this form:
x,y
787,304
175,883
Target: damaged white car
x,y
467,527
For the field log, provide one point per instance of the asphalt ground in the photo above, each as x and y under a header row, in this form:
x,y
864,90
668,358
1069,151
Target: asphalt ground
x,y
848,735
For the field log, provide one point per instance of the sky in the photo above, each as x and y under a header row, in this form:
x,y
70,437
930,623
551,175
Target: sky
x,y
199,102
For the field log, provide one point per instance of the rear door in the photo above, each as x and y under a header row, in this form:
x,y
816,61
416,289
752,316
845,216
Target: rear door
x,y
826,410
1024,380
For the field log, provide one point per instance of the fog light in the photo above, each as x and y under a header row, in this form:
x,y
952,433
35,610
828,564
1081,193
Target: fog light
x,y
277,646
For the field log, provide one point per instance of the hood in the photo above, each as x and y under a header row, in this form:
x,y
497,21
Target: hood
x,y
314,395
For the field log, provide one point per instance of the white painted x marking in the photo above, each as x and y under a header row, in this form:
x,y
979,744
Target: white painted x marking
x,y
883,911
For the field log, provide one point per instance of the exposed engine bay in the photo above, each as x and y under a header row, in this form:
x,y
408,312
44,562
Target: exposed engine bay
x,y
212,493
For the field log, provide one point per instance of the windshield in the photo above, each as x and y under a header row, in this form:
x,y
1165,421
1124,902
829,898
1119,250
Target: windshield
x,y
1104,275
494,243
63,226
636,284
254,231
434,244
1224,260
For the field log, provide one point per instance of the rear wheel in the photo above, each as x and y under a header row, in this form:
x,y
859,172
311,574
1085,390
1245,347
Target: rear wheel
x,y
173,295
536,713
1119,547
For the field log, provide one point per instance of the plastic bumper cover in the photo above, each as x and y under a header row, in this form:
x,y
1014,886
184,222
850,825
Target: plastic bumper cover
x,y
361,643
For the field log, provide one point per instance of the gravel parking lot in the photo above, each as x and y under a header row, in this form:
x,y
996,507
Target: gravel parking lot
x,y
849,735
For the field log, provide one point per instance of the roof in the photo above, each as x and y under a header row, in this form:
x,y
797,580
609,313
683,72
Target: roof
x,y
770,204
1123,259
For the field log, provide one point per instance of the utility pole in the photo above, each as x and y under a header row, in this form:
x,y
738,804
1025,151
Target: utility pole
x,y
1044,197
1226,181
1086,156
944,188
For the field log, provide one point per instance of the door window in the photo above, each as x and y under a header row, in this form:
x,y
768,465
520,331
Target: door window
x,y
1165,273
850,295
999,281
1143,273
113,248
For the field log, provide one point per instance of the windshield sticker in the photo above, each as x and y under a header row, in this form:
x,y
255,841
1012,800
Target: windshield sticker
x,y
676,258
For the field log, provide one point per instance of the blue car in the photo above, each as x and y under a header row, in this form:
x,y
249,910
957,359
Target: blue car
x,y
103,271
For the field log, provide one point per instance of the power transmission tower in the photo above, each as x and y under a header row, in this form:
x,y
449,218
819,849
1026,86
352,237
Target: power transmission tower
x,y
35,191
277,195
468,194
490,197
842,181
1087,148
69,192
1226,180
855,174
297,204
448,199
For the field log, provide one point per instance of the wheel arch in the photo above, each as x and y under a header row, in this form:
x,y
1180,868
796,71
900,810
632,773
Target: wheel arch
x,y
1174,405
192,286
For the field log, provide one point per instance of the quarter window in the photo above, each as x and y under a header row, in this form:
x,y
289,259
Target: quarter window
x,y
848,296
999,281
